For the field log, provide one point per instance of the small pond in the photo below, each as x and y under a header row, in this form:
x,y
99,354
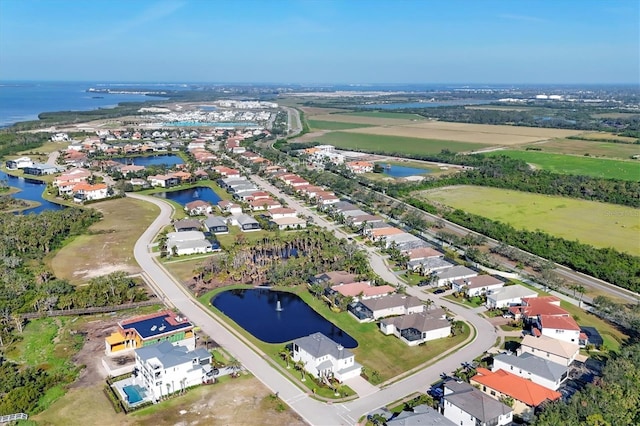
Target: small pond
x,y
403,171
152,160
30,189
256,311
184,196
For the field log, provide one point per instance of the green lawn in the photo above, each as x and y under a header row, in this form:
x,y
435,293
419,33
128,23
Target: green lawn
x,y
591,222
385,354
385,114
578,165
394,144
334,125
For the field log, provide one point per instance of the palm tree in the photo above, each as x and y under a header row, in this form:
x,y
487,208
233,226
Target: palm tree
x,y
235,366
285,354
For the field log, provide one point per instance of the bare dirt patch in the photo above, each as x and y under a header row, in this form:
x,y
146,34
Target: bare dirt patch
x,y
108,247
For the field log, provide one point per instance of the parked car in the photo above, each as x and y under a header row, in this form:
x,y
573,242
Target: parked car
x,y
439,291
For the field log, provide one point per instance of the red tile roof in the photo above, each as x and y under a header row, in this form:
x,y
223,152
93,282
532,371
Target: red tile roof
x,y
560,323
516,387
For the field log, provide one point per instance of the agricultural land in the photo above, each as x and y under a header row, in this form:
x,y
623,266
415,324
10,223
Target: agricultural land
x,y
568,218
578,165
588,148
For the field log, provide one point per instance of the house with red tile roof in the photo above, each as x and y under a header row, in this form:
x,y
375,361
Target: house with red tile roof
x,y
264,204
526,394
360,166
86,192
559,327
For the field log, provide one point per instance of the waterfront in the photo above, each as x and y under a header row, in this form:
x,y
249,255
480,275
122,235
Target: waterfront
x,y
168,160
30,190
295,319
184,196
403,171
23,101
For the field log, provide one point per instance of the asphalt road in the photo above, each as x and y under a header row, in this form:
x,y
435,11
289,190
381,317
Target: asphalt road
x,y
312,411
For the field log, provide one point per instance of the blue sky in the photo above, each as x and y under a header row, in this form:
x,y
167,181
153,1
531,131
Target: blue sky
x,y
350,41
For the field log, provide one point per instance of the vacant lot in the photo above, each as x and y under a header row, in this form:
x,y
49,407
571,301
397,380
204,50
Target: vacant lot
x,y
579,165
593,148
598,224
108,246
394,144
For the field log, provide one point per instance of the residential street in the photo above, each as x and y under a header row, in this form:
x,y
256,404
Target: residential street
x,y
313,411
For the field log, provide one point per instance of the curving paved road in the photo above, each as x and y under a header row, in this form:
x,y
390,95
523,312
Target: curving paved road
x,y
312,411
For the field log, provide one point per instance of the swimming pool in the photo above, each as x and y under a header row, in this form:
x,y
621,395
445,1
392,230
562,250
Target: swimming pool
x,y
134,393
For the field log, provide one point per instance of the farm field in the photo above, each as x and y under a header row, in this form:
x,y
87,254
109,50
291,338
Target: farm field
x,y
386,120
463,132
578,165
596,136
386,114
334,125
590,222
394,144
108,247
593,148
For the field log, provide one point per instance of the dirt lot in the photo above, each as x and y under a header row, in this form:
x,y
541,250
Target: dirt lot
x,y
242,401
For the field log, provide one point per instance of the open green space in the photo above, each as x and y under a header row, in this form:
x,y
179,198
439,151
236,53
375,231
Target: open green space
x,y
386,114
591,222
386,355
591,147
578,165
394,144
108,246
334,125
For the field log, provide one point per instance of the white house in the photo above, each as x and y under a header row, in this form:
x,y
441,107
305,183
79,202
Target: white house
x,y
322,357
447,276
189,242
163,369
508,296
539,370
465,405
421,327
87,192
285,223
229,207
477,285
19,163
554,350
380,307
559,327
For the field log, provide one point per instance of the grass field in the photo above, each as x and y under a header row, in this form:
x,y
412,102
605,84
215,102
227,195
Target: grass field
x,y
593,148
394,144
385,120
578,165
596,136
108,246
598,224
386,114
334,125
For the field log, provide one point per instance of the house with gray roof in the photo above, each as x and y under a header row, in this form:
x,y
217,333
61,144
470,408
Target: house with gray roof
x,y
368,310
343,206
539,370
508,296
422,415
163,369
190,242
467,406
447,276
216,225
429,265
187,225
247,223
322,357
417,328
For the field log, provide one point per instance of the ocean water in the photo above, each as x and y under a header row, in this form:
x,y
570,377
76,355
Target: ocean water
x,y
22,101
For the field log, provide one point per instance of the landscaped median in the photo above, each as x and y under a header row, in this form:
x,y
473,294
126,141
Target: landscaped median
x,y
383,357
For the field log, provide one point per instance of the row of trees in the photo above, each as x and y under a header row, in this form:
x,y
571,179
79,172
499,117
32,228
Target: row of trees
x,y
607,264
285,259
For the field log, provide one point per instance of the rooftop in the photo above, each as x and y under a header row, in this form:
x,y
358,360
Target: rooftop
x,y
157,324
516,387
317,345
535,365
474,402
